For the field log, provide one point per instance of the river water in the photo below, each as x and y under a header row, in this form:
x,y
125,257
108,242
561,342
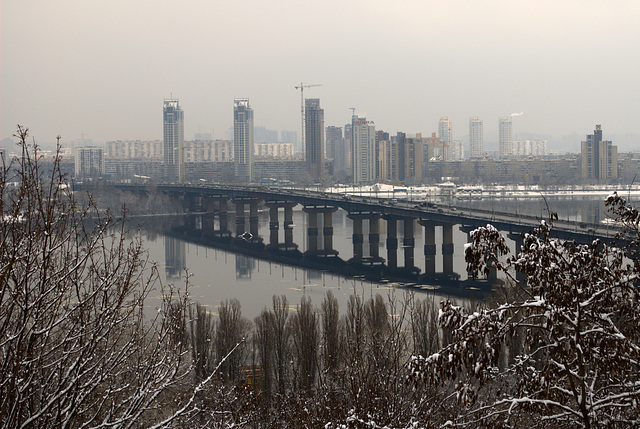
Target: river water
x,y
216,275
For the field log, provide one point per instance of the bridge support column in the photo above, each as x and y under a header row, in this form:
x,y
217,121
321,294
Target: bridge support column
x,y
288,226
392,242
447,249
253,219
208,218
374,236
239,217
273,225
429,249
312,232
358,238
222,216
409,243
327,232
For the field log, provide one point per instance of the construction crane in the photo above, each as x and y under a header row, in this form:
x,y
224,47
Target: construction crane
x,y
301,88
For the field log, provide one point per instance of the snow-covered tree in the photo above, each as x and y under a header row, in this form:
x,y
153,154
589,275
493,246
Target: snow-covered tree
x,y
76,345
576,321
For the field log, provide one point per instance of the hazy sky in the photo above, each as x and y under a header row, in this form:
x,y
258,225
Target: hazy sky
x,y
102,68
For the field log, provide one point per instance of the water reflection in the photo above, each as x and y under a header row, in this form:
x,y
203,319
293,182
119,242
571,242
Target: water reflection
x,y
217,274
175,258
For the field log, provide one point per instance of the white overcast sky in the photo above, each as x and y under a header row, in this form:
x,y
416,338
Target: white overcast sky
x,y
102,68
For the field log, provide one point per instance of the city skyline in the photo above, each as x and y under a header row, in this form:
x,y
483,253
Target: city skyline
x,y
67,67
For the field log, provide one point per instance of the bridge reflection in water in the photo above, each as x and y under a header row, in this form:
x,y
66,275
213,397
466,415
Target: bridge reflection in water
x,y
319,239
382,240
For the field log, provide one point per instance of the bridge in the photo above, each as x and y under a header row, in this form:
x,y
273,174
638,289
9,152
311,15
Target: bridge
x,y
211,203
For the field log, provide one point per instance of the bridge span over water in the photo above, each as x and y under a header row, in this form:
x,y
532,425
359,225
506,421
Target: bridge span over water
x,y
213,203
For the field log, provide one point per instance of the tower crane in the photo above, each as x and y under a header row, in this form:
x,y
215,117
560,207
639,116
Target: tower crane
x,y
301,87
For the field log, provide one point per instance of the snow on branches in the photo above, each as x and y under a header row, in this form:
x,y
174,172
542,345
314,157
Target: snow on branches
x,y
570,334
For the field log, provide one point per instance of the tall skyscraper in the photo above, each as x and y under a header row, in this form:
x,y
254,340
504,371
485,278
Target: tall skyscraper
x,y
334,135
599,157
414,155
445,132
475,137
401,159
338,149
243,139
505,137
363,144
314,137
173,121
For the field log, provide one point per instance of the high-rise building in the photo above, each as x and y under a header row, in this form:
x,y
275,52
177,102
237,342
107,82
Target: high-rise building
x,y
173,121
243,139
413,159
445,132
505,137
89,161
401,167
338,148
599,158
456,149
381,138
475,137
363,146
333,136
314,137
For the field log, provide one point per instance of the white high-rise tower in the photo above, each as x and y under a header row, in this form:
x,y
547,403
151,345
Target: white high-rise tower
x,y
173,121
505,137
363,146
243,139
445,133
475,137
314,138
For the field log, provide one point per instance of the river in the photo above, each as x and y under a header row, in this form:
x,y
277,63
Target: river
x,y
216,275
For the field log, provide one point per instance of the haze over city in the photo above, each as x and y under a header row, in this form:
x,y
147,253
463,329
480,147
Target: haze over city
x,y
101,69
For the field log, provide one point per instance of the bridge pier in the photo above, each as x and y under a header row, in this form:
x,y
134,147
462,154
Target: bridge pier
x,y
241,230
288,227
313,231
222,217
357,237
409,243
274,225
447,249
239,217
327,231
429,249
253,219
392,241
374,236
